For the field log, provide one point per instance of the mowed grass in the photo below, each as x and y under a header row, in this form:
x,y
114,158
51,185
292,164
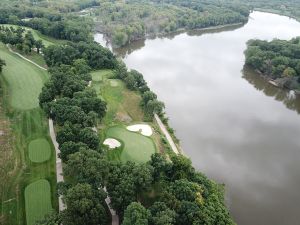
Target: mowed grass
x,y
135,147
37,201
39,150
25,80
122,104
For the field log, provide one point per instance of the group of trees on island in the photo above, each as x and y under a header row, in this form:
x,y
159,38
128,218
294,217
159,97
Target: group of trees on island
x,y
20,38
277,59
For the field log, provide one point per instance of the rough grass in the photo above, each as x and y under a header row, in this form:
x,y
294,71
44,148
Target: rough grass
x,y
123,105
39,150
37,201
135,147
25,80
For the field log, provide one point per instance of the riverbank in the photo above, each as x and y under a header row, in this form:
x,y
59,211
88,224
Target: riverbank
x,y
108,40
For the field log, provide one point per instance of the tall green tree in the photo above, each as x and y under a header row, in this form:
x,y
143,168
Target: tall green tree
x,y
136,214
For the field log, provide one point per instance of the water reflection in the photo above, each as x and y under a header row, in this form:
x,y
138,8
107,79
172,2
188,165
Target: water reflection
x,y
233,126
288,97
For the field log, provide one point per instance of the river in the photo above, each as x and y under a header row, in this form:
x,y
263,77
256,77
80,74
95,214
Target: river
x,y
235,127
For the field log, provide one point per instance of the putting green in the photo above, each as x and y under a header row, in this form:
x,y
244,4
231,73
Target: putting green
x,y
25,80
37,201
135,147
39,150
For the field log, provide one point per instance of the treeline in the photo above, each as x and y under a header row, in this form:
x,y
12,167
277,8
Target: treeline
x,y
51,23
126,22
277,59
289,8
135,82
96,56
20,38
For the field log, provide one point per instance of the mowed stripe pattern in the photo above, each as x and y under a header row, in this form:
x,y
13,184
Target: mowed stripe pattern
x,y
39,150
25,80
37,201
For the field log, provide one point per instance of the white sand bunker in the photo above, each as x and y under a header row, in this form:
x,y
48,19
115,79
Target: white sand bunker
x,y
112,143
144,129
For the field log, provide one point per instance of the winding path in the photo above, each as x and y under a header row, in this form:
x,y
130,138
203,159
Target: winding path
x,y
166,133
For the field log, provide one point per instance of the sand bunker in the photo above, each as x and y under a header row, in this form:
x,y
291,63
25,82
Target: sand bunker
x,y
112,143
144,129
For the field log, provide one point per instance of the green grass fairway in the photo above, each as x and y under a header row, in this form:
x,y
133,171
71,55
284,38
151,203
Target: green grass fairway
x,y
37,201
136,147
39,150
121,102
25,80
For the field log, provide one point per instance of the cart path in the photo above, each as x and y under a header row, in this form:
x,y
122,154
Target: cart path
x,y
166,133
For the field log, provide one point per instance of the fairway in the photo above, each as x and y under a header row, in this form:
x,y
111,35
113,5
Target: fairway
x,y
37,201
136,147
39,150
25,80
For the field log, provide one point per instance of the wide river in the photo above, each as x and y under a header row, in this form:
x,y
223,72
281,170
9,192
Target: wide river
x,y
235,127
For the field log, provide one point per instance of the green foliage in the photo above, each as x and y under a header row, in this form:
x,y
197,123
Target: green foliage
x,y
84,206
277,59
161,214
50,219
96,56
87,166
128,21
136,214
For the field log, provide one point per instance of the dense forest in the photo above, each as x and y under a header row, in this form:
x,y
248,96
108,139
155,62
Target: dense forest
x,y
278,60
132,20
284,7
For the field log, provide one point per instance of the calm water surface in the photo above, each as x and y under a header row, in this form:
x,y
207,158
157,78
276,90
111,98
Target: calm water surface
x,y
235,127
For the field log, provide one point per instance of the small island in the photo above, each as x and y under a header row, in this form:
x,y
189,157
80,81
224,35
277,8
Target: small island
x,y
278,61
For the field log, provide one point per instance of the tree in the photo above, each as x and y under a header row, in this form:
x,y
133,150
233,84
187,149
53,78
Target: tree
x,y
147,96
2,64
70,147
84,206
136,214
39,45
289,72
161,214
50,219
87,166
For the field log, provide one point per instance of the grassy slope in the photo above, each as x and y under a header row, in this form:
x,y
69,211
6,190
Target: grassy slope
x,y
25,80
27,125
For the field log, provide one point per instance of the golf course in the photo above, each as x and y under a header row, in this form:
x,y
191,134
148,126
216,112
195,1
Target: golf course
x,y
135,146
31,192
